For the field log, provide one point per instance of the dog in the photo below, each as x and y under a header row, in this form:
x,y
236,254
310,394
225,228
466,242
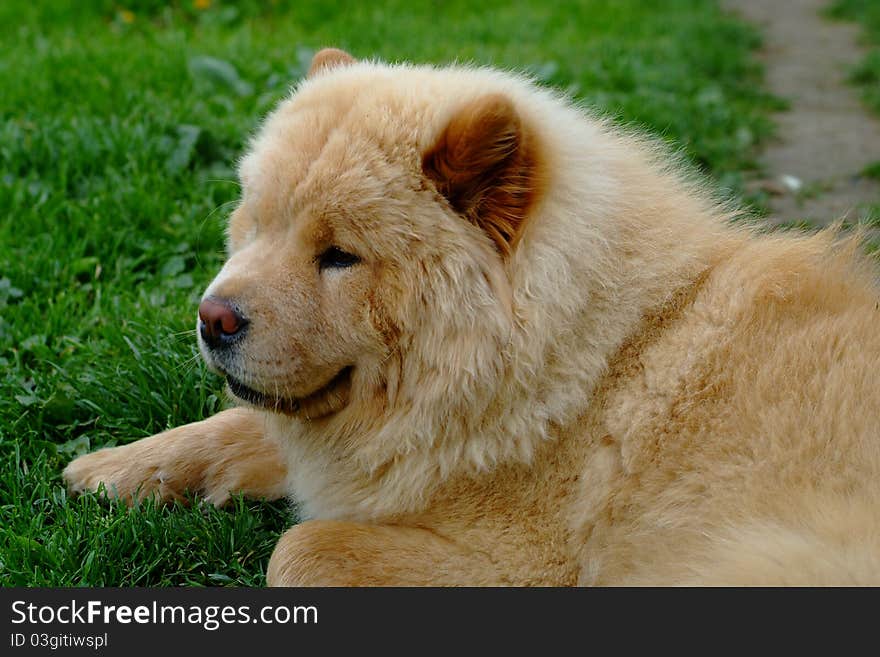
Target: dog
x,y
482,337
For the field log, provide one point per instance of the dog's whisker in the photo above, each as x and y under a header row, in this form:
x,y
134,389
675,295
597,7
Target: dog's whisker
x,y
224,180
188,365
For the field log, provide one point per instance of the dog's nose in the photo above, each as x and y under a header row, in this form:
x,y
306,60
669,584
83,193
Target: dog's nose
x,y
220,322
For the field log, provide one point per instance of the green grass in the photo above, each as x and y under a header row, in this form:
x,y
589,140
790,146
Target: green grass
x,y
119,128
867,72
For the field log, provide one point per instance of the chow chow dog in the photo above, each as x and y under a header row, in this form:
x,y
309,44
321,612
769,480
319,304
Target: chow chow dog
x,y
482,337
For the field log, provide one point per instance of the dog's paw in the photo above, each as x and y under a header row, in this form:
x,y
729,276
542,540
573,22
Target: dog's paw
x,y
123,473
216,458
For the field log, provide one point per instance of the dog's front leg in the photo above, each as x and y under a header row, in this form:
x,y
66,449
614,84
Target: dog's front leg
x,y
225,454
334,553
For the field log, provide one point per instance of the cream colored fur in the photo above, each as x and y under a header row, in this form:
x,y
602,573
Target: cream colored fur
x,y
640,392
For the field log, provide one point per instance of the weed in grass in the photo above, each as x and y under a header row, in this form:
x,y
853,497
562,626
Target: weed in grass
x,y
867,73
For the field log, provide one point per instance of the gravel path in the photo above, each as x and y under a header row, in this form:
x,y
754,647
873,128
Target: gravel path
x,y
827,137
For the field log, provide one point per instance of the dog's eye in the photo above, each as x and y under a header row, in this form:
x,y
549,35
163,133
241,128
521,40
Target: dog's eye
x,y
336,258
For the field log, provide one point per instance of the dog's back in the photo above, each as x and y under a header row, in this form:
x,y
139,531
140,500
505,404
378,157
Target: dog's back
x,y
747,429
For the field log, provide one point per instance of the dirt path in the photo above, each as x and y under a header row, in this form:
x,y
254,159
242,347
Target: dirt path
x,y
827,137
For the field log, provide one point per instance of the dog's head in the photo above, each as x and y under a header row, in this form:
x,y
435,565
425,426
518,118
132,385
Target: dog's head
x,y
367,256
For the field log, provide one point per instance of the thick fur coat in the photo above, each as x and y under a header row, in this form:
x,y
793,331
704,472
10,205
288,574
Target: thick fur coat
x,y
482,337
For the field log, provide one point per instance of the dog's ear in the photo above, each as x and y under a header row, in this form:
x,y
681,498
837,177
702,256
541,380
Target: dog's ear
x,y
329,58
484,164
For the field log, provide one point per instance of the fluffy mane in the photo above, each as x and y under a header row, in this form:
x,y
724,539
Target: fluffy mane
x,y
534,330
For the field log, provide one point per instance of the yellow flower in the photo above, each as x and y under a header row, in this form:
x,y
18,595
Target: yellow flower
x,y
126,16
201,4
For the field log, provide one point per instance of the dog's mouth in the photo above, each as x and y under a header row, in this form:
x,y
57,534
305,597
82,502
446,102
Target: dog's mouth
x,y
326,400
